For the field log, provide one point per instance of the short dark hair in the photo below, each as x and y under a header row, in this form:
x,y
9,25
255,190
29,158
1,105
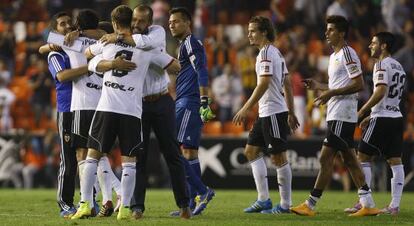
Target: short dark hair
x,y
87,19
147,8
183,11
386,38
340,22
122,16
53,21
106,26
264,25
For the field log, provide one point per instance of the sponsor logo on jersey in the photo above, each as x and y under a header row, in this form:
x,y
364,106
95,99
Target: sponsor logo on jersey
x,y
353,69
115,85
93,86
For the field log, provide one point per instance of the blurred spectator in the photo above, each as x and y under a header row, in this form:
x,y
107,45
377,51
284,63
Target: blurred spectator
x,y
246,66
33,39
5,75
201,19
227,90
161,12
395,13
31,10
7,46
41,83
340,8
219,52
6,100
299,101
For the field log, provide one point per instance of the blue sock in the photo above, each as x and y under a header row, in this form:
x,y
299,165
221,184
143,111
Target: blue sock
x,y
193,180
195,164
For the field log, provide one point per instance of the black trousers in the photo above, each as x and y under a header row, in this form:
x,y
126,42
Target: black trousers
x,y
68,163
160,116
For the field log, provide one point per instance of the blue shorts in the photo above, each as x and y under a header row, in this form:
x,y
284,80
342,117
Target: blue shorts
x,y
189,126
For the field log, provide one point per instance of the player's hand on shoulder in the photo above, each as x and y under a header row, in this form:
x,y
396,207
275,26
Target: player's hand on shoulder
x,y
55,48
109,38
70,38
121,64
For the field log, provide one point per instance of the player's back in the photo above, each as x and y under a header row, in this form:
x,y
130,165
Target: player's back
x,y
86,89
390,73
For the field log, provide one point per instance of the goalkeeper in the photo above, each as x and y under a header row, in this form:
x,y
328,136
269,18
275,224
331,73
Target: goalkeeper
x,y
192,102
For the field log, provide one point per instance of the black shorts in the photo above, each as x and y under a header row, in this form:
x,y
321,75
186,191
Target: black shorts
x,y
107,126
81,124
270,133
383,136
340,135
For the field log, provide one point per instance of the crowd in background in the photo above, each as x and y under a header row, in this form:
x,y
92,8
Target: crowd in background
x,y
27,94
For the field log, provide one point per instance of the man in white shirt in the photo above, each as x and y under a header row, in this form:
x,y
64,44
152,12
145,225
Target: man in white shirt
x,y
383,128
345,80
118,114
276,118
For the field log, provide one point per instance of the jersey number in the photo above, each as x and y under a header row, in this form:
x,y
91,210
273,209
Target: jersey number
x,y
396,89
127,55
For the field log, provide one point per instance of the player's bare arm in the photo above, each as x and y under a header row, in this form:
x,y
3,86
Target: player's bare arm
x,y
379,93
47,48
117,64
173,68
262,86
314,85
357,84
90,33
71,74
112,38
292,119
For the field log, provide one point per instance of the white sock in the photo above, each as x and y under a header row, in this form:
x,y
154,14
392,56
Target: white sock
x,y
88,179
311,202
127,182
366,169
365,198
116,184
81,167
397,184
284,180
260,178
104,179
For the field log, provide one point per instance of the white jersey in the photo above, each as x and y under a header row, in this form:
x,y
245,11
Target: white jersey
x,y
270,62
390,73
343,67
157,79
86,89
122,91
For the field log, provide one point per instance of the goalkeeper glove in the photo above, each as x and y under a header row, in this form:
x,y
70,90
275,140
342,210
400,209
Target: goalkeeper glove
x,y
205,111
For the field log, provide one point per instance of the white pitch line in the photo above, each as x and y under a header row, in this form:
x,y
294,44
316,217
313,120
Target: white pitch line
x,y
20,215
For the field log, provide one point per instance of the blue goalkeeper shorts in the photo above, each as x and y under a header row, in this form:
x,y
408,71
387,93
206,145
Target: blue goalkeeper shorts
x,y
189,125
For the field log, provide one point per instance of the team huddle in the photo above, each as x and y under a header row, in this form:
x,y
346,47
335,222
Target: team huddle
x,y
116,87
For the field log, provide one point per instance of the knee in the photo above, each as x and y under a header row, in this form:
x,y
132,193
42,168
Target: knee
x,y
251,154
190,154
394,161
364,157
326,161
278,159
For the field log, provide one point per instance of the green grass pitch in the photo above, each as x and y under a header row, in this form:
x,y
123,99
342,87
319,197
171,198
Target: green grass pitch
x,y
38,207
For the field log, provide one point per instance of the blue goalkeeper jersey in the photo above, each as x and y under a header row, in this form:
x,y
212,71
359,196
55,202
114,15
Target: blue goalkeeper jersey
x,y
193,73
59,61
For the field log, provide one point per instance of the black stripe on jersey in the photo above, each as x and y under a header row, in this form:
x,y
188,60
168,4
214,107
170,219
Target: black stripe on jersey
x,y
264,54
378,67
347,54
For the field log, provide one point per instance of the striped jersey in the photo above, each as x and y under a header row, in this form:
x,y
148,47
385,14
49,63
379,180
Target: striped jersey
x,y
86,89
59,61
390,73
193,73
270,62
343,67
